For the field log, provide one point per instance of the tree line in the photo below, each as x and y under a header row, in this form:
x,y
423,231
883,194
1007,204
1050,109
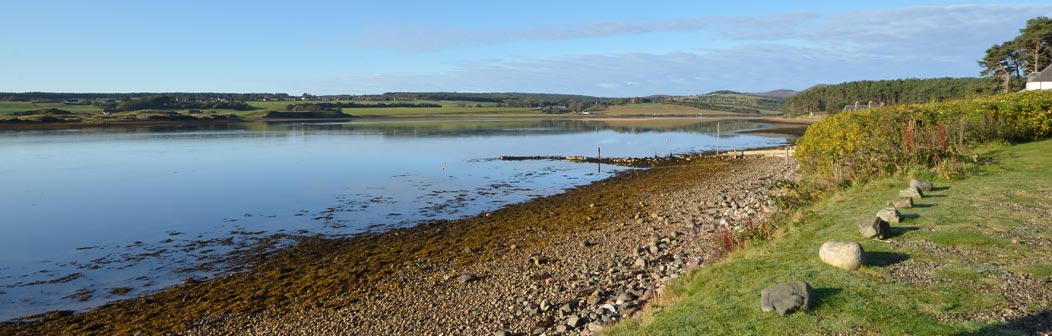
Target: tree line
x,y
335,107
833,98
1010,62
172,103
187,96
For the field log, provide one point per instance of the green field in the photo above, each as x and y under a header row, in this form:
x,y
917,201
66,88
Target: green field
x,y
976,247
733,102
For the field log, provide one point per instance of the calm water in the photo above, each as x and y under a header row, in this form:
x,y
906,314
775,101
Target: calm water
x,y
83,212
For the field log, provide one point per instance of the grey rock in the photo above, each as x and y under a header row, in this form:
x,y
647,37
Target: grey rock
x,y
502,333
593,300
911,192
889,215
574,321
653,249
902,203
625,297
640,263
786,297
844,255
875,228
565,310
466,278
595,326
539,331
921,184
647,295
562,328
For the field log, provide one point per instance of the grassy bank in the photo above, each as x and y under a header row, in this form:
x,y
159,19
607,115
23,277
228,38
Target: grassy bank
x,y
973,258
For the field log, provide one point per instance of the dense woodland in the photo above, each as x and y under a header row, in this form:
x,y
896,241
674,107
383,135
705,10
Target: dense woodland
x,y
833,98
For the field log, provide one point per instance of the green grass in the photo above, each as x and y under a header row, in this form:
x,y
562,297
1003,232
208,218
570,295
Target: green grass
x,y
961,237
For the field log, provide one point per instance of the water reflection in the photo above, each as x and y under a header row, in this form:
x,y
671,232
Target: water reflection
x,y
88,212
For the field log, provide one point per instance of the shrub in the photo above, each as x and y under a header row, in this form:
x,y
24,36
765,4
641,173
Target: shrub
x,y
855,146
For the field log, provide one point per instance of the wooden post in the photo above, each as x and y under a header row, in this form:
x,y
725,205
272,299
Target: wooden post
x,y
717,138
598,159
786,156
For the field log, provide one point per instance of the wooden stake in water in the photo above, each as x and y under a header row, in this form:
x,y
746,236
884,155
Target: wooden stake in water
x,y
598,159
717,138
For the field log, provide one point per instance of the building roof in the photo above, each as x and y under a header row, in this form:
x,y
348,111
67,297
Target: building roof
x,y
1043,76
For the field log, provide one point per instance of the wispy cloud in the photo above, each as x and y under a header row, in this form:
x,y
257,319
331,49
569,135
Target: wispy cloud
x,y
780,51
862,29
426,38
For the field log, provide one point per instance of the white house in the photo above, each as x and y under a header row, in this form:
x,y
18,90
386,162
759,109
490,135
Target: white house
x,y
1041,80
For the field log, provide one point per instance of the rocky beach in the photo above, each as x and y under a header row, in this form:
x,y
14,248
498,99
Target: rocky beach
x,y
567,264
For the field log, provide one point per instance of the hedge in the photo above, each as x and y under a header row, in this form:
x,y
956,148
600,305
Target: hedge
x,y
854,146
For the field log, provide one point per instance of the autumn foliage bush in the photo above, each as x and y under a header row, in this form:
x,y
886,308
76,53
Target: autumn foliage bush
x,y
854,146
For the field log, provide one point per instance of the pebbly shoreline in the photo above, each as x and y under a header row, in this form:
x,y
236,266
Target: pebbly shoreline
x,y
565,264
573,284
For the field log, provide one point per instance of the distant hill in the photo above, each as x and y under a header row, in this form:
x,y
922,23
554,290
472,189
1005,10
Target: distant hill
x,y
781,93
833,98
731,101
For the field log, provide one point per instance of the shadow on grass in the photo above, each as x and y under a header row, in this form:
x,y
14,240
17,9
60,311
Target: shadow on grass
x,y
882,259
822,294
934,196
1034,324
910,216
925,206
900,230
940,188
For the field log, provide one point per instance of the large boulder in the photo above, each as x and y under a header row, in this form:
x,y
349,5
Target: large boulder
x,y
844,255
921,184
787,297
902,203
889,215
875,228
911,192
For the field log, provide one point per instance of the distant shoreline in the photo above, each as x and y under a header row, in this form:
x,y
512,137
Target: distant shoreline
x,y
46,126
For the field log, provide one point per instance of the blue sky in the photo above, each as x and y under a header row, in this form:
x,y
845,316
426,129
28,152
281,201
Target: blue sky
x,y
604,48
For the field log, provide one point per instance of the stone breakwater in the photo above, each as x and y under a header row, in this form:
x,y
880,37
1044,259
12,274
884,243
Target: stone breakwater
x,y
538,280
